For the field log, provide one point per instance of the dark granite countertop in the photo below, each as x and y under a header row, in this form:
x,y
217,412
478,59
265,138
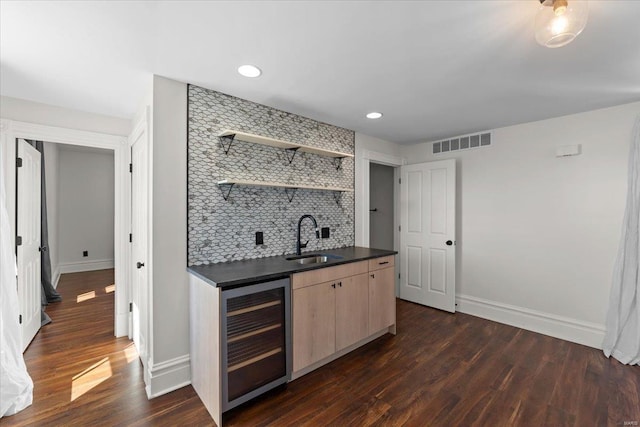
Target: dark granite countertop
x,y
246,272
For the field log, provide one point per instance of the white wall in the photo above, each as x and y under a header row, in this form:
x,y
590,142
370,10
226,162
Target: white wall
x,y
51,180
169,365
44,114
538,235
85,208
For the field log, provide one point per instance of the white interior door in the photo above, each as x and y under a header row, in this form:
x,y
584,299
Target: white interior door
x,y
428,234
139,214
28,239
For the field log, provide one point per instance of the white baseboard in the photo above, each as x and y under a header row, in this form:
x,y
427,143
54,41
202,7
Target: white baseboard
x,y
165,377
55,277
585,333
79,266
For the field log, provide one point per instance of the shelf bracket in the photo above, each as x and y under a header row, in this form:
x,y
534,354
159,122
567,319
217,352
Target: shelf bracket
x,y
292,191
229,138
225,189
337,162
337,196
291,151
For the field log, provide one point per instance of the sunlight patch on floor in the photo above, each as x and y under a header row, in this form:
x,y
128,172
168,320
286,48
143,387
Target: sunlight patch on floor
x,y
85,296
90,378
130,353
110,288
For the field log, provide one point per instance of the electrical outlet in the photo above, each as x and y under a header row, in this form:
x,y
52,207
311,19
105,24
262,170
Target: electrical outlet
x,y
325,232
85,253
259,238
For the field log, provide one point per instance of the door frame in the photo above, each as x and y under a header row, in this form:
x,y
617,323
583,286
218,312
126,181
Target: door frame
x,y
362,193
10,130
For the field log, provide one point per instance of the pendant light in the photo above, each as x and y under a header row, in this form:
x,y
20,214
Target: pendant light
x,y
558,22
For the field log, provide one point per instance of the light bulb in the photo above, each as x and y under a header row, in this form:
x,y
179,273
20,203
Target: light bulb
x,y
558,22
559,25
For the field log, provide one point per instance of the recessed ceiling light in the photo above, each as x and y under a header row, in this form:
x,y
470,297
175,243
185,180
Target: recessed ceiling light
x,y
374,115
249,70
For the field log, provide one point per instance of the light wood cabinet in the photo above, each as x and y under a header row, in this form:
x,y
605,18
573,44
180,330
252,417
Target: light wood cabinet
x,y
382,299
335,308
314,324
352,310
328,317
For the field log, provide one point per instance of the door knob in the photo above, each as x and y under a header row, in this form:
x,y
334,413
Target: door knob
x,y
139,264
449,242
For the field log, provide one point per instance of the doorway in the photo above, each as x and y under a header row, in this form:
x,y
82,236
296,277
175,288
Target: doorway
x,y
77,218
11,130
364,189
381,206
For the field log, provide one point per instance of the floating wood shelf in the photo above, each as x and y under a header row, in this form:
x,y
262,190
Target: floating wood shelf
x,y
291,147
289,188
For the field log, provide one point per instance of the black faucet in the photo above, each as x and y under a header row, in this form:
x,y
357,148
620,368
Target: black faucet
x,y
299,244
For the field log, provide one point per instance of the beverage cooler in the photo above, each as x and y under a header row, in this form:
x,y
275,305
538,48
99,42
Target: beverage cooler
x,y
256,340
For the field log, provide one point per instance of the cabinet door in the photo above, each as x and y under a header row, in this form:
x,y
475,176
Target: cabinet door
x,y
352,310
314,324
382,299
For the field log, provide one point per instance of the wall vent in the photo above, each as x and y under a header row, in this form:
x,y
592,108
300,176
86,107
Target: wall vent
x,y
462,143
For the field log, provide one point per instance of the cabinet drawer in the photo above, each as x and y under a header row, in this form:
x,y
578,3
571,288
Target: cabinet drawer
x,y
382,262
308,278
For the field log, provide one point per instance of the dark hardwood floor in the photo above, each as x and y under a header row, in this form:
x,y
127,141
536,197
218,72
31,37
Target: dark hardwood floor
x,y
440,370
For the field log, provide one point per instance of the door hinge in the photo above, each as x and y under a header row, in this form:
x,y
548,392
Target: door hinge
x,y
18,162
20,319
18,240
399,180
130,167
130,307
130,237
398,275
399,228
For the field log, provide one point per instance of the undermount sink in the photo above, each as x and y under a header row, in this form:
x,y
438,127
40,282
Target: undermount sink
x,y
313,258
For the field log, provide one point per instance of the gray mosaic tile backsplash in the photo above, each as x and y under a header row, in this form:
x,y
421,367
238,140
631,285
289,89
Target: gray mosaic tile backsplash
x,y
222,230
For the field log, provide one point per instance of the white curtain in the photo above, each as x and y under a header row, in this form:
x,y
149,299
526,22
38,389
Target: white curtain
x,y
622,339
16,387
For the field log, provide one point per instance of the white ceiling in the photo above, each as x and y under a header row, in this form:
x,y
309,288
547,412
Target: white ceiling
x,y
434,68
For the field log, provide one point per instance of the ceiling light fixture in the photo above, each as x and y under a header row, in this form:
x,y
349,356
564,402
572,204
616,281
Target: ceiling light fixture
x,y
374,115
558,22
249,70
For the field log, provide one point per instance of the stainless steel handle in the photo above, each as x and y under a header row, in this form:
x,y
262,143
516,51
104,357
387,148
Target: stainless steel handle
x,y
139,264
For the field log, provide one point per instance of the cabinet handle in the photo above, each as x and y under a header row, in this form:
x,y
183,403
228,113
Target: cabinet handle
x,y
333,285
386,262
373,276
340,284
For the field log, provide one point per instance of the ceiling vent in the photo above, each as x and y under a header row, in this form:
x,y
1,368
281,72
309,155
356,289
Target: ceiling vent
x,y
462,143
